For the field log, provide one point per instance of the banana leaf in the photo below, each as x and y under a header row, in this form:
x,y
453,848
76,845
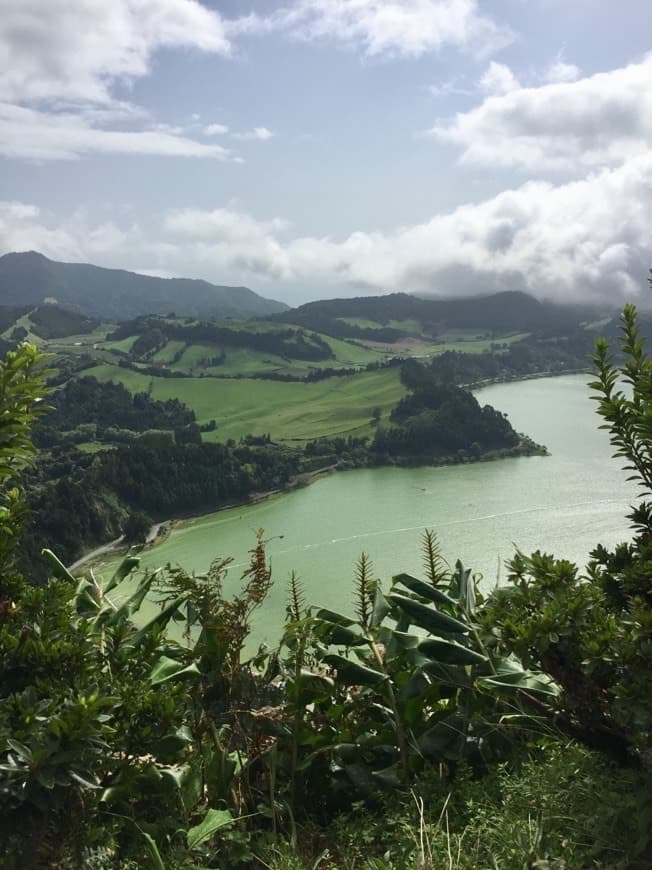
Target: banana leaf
x,y
425,590
170,669
427,617
352,674
208,827
449,652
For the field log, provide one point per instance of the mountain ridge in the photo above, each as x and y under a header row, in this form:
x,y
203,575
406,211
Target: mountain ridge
x,y
388,314
29,277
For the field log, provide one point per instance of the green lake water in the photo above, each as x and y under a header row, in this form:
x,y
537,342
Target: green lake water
x,y
564,504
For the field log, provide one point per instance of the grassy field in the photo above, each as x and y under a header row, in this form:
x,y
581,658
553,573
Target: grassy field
x,y
166,354
194,358
363,322
288,411
349,354
473,342
125,344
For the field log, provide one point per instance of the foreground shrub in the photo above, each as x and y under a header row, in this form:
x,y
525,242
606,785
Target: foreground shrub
x,y
562,807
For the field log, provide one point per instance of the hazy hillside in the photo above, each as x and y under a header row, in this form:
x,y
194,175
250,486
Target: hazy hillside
x,y
114,294
401,313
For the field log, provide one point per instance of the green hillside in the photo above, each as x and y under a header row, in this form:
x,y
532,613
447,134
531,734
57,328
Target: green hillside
x,y
292,412
393,318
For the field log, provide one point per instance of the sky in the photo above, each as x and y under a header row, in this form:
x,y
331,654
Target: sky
x,y
319,148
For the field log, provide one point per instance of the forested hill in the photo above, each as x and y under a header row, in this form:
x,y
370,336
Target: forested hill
x,y
399,313
114,294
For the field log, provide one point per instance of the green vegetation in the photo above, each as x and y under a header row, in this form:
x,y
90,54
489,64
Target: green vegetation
x,y
591,630
289,411
435,422
428,728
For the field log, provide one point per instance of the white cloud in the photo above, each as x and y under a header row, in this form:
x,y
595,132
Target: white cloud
x,y
407,28
596,121
76,49
258,134
223,224
560,71
216,130
61,61
586,239
498,79
31,134
449,88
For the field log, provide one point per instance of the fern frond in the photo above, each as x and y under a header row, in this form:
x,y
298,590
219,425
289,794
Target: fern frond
x,y
434,564
363,586
296,599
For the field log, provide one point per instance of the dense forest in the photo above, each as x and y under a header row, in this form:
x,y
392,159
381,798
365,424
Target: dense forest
x,y
429,727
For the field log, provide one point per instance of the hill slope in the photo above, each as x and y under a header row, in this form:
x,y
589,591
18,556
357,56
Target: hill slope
x,y
114,294
397,313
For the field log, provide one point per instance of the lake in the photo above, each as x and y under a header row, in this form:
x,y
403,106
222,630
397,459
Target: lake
x,y
564,504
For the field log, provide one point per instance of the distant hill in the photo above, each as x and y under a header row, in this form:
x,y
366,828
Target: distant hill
x,y
387,318
114,294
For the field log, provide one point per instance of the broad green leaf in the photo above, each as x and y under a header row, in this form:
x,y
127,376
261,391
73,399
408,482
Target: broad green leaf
x,y
211,824
155,860
464,586
352,674
161,619
335,618
527,681
167,749
402,639
415,687
448,675
449,652
169,669
381,608
341,635
187,781
133,603
128,564
314,683
424,589
427,617
57,567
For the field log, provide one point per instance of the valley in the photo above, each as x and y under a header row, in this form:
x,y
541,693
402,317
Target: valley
x,y
226,490
226,409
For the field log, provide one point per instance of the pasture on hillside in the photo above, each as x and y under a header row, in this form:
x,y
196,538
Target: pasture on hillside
x,y
293,412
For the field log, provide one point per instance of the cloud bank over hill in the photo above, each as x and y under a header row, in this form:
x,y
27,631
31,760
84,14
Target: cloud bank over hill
x,y
585,239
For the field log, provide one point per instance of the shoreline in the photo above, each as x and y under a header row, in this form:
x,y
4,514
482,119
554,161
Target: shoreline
x,y
161,530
